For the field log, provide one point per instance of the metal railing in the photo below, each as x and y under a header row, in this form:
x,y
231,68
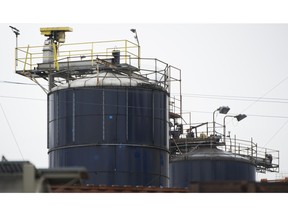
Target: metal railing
x,y
29,57
201,134
175,87
31,60
265,159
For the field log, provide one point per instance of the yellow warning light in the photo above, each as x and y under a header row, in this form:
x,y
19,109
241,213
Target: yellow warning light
x,y
57,33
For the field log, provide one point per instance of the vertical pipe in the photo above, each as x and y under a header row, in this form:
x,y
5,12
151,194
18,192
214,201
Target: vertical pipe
x,y
48,118
180,97
153,121
56,65
50,80
127,120
73,116
103,113
167,136
58,116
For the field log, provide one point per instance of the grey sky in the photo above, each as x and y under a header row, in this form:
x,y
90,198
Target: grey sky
x,y
211,57
239,60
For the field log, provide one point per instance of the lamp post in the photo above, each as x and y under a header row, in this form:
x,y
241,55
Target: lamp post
x,y
136,37
239,117
222,110
16,32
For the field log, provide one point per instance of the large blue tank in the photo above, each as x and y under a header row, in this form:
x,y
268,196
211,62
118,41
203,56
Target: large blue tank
x,y
206,164
115,126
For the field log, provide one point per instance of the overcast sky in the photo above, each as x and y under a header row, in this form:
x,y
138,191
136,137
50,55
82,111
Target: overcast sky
x,y
243,66
221,59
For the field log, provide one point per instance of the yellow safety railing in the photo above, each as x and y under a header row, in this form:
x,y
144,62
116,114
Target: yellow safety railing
x,y
28,58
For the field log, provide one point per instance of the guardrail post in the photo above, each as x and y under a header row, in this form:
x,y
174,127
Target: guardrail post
x,y
126,54
26,59
92,53
251,147
30,61
235,143
16,58
256,151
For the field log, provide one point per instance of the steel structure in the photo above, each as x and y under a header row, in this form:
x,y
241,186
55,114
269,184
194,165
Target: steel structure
x,y
199,147
105,112
196,135
104,104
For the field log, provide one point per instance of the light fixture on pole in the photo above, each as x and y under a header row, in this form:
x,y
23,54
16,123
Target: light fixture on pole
x,y
239,117
221,110
16,32
136,37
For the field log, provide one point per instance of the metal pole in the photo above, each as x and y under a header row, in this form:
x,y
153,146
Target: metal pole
x,y
136,37
214,123
126,55
224,127
224,130
169,79
139,53
251,147
16,32
16,54
180,95
235,143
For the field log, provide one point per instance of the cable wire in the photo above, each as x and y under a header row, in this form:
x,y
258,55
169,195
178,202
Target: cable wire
x,y
238,98
18,83
283,80
276,133
92,103
271,138
11,131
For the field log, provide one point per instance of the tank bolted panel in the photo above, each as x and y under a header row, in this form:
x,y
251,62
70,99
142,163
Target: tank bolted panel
x,y
117,133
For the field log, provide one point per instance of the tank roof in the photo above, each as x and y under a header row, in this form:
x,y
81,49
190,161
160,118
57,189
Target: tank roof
x,y
105,79
211,153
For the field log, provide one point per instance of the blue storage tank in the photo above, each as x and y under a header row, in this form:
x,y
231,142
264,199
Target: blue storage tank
x,y
208,164
114,125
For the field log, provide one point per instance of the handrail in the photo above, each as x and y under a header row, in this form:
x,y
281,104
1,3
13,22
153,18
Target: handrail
x,y
127,48
201,134
44,60
25,63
